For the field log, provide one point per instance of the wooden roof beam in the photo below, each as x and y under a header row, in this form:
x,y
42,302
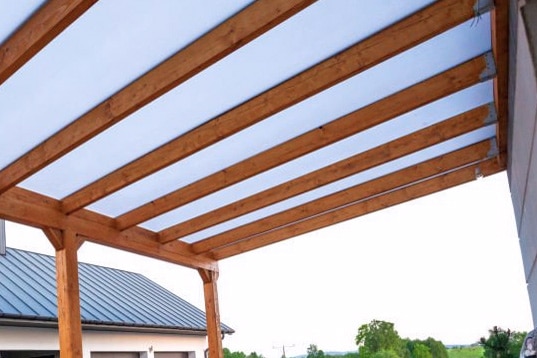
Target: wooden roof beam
x,y
447,129
25,207
391,198
419,27
394,181
385,109
234,33
40,29
500,49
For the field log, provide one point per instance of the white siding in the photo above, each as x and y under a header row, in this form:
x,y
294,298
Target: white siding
x,y
23,338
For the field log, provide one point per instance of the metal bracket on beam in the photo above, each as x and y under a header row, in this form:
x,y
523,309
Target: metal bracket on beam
x,y
494,151
482,7
478,173
490,70
492,117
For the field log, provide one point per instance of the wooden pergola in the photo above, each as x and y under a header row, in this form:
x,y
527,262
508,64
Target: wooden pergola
x,y
153,227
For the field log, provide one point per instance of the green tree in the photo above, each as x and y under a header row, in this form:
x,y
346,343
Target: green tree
x,y
502,343
378,336
421,351
238,354
517,339
254,355
314,352
385,353
438,349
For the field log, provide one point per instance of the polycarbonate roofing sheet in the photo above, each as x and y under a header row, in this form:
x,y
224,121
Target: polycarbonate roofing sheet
x,y
262,64
410,122
208,139
389,77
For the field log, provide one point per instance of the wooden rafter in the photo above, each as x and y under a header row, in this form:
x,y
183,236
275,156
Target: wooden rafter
x,y
438,17
361,207
36,210
47,23
450,128
213,46
348,196
387,108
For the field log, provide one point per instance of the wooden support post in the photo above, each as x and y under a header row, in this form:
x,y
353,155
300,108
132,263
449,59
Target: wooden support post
x,y
212,312
69,322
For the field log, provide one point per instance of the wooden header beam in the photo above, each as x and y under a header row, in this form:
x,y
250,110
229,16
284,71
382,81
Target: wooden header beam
x,y
421,26
360,192
354,210
47,23
500,49
229,36
450,128
36,210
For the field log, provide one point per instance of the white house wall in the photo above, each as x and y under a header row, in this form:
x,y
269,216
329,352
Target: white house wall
x,y
46,339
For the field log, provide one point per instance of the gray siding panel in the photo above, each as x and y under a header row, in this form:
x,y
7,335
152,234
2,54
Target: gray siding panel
x,y
523,125
523,144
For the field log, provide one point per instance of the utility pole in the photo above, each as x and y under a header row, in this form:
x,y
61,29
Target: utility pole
x,y
283,346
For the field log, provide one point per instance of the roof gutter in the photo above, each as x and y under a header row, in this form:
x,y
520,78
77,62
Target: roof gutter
x,y
52,322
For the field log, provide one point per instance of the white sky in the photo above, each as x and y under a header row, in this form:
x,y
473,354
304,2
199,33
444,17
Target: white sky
x,y
446,266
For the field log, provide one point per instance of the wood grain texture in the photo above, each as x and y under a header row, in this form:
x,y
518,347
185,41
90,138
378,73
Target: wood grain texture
x,y
362,119
55,237
69,320
213,46
360,192
391,41
398,148
40,29
25,207
414,191
212,312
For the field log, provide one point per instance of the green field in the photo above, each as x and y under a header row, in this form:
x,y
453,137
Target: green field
x,y
466,352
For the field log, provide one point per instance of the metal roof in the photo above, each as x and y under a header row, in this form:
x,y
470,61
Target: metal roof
x,y
108,297
193,131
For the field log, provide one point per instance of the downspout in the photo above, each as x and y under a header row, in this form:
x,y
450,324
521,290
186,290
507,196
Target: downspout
x,y
206,351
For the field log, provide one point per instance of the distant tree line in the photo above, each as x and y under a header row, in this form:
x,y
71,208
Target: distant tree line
x,y
314,352
229,354
379,339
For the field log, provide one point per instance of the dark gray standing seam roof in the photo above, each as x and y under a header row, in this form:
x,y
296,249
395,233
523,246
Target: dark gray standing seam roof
x,y
108,297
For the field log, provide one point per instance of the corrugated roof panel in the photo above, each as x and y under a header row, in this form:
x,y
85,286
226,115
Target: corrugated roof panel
x,y
107,296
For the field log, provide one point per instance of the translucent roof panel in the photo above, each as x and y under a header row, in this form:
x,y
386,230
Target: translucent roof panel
x,y
138,124
391,76
400,126
260,65
115,42
405,162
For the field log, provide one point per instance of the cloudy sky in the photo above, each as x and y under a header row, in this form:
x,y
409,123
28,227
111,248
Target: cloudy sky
x,y
446,266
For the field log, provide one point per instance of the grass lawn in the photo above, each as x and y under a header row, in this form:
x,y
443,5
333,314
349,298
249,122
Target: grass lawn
x,y
466,352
